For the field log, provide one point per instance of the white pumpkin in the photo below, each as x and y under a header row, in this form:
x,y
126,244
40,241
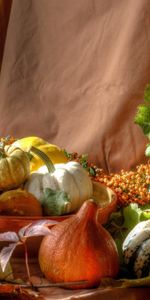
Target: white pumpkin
x,y
71,178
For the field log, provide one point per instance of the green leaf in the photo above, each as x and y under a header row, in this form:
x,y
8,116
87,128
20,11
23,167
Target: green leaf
x,y
68,155
142,118
131,215
147,93
84,160
122,222
56,203
92,171
145,215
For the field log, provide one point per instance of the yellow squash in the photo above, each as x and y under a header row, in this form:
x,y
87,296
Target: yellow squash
x,y
56,154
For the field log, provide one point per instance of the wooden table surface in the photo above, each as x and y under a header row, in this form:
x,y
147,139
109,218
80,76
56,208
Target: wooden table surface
x,y
56,293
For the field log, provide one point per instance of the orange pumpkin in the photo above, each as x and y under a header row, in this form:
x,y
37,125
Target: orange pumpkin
x,y
79,248
19,203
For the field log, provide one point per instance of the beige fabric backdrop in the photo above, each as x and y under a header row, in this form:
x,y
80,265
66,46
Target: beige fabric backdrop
x,y
74,72
5,8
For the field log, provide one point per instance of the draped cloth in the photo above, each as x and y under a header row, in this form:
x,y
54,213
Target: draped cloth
x,y
74,72
5,7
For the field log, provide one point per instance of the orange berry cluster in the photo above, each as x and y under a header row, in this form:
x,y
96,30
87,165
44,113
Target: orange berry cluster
x,y
130,186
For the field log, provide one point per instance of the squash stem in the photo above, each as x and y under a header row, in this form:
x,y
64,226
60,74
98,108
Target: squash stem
x,y
43,157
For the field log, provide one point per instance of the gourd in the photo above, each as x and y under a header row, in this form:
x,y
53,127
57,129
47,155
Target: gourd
x,y
136,250
19,203
14,167
56,154
79,248
70,178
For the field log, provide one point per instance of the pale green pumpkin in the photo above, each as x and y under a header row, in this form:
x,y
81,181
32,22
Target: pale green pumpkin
x,y
69,178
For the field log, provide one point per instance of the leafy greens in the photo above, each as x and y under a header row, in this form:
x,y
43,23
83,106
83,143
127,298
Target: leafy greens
x,y
124,220
142,117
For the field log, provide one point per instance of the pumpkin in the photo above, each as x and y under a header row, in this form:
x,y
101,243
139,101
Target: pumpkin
x,y
136,250
70,178
14,167
56,154
78,249
19,203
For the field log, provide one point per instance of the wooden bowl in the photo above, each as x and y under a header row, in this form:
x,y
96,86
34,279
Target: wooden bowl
x,y
106,199
14,223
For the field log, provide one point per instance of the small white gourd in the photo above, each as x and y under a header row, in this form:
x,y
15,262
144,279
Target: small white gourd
x,y
70,178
